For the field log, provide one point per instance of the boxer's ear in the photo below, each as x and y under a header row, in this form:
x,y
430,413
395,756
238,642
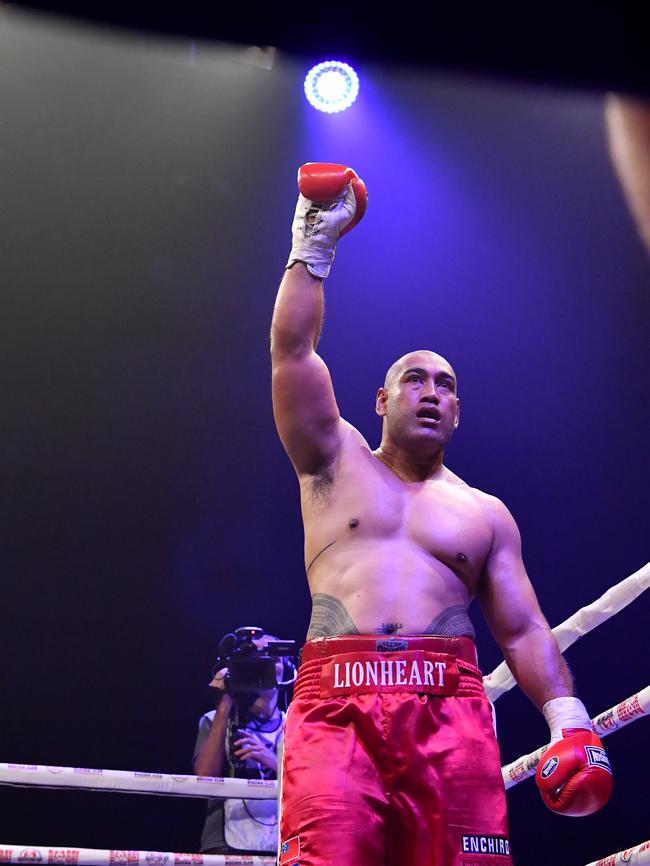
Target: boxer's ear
x,y
457,421
380,403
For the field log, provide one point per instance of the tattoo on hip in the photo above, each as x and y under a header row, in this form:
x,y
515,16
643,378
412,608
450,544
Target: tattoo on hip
x,y
329,618
454,621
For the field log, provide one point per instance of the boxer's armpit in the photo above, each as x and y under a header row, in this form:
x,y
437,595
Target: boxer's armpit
x,y
322,484
329,618
453,621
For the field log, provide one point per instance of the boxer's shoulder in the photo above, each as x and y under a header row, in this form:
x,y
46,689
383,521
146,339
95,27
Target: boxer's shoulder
x,y
496,513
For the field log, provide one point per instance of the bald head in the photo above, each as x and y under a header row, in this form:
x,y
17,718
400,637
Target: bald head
x,y
414,359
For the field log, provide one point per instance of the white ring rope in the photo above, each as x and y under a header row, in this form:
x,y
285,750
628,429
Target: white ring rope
x,y
629,710
638,854
134,782
582,622
101,857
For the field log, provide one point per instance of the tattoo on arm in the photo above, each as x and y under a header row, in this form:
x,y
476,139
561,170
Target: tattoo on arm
x,y
329,618
454,621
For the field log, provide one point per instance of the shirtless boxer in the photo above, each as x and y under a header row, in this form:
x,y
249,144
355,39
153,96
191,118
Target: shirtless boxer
x,y
390,755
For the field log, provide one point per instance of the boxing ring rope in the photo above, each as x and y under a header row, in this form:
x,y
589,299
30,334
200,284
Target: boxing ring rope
x,y
617,717
163,784
134,782
582,622
130,782
100,857
638,854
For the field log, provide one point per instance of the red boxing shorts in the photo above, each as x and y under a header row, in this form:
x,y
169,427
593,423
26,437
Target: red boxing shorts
x,y
390,757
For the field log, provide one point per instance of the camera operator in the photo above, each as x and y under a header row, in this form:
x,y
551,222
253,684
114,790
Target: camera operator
x,y
240,738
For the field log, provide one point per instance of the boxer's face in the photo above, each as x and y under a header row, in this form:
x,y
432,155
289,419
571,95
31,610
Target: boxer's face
x,y
419,401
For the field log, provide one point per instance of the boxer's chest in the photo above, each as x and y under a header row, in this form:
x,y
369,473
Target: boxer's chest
x,y
443,519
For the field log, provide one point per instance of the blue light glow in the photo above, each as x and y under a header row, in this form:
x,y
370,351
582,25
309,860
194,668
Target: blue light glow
x,y
331,86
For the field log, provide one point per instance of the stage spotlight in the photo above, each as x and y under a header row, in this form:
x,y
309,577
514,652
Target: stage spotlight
x,y
331,86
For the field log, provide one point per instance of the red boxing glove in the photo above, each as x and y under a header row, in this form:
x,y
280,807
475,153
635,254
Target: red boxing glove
x,y
324,183
332,200
574,776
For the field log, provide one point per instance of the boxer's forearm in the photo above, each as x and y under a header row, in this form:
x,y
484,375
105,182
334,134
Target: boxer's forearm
x,y
298,313
537,664
628,127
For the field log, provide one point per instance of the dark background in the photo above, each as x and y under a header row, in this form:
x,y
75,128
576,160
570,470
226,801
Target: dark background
x,y
147,186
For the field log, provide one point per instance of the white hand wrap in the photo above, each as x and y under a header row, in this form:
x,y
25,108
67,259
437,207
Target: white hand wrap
x,y
316,229
563,713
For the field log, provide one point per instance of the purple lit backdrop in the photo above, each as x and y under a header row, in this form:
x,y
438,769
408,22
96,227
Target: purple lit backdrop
x,y
147,192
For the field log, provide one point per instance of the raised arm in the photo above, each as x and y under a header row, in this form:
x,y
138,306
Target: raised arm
x,y
574,777
304,405
331,201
